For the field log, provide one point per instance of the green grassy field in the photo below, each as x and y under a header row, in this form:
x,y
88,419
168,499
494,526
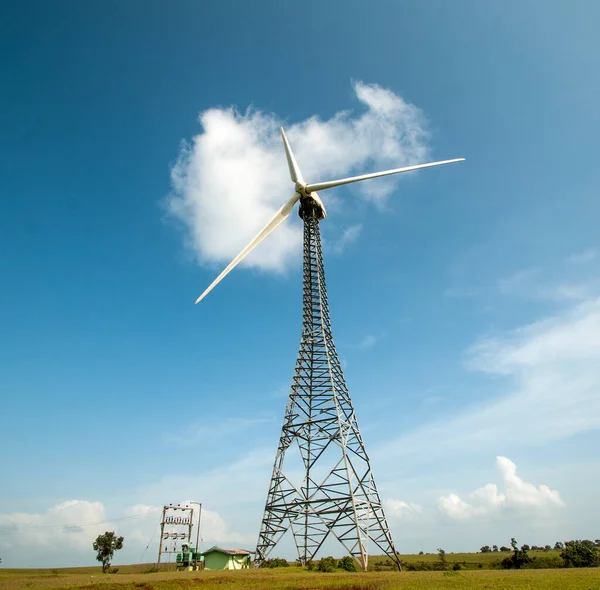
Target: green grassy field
x,y
293,578
467,560
134,578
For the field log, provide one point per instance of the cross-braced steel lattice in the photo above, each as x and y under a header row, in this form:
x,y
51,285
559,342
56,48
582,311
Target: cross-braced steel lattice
x,y
334,492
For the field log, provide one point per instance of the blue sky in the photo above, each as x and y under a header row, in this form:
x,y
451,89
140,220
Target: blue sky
x,y
464,299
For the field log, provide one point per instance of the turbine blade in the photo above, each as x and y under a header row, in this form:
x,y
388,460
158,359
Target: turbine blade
x,y
295,173
273,224
321,186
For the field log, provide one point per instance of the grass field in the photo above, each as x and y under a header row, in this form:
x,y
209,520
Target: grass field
x,y
468,560
133,578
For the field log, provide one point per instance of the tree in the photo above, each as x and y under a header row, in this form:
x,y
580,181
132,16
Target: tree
x,y
504,548
518,559
547,548
106,545
347,564
485,549
580,554
327,564
559,545
494,547
443,564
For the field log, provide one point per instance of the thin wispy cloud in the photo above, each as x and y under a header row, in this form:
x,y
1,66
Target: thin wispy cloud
x,y
348,237
368,342
521,282
461,292
250,467
551,389
209,430
569,279
583,257
232,176
542,284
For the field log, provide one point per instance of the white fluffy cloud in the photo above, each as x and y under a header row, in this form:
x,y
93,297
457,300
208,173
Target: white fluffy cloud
x,y
233,176
60,525
454,507
215,530
486,500
400,510
64,534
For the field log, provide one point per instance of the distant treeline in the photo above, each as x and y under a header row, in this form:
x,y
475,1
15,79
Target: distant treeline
x,y
580,553
558,546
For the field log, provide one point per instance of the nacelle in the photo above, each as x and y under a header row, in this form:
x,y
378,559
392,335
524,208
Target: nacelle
x,y
313,201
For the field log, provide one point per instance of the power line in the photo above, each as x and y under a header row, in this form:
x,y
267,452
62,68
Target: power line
x,y
151,538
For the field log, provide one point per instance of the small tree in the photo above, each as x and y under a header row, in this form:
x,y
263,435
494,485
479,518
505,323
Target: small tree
x,y
106,545
495,548
518,559
559,545
485,549
504,548
443,564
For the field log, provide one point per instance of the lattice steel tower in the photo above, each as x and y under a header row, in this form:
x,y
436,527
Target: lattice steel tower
x,y
337,493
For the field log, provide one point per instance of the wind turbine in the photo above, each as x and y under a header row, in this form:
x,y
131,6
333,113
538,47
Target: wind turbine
x,y
337,494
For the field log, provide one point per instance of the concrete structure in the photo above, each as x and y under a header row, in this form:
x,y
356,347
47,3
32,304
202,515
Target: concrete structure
x,y
218,558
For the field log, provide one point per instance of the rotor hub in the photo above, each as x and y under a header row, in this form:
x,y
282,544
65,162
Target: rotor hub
x,y
301,189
